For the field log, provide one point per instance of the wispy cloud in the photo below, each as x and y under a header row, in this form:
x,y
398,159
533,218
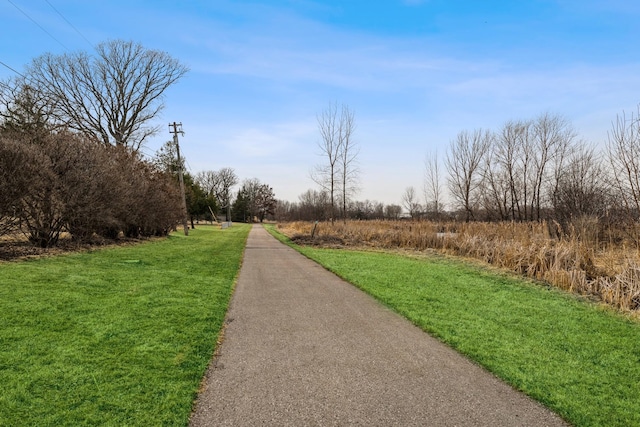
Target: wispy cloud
x,y
576,83
268,141
357,63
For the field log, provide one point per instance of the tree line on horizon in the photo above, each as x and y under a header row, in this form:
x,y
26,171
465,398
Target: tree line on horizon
x,y
540,170
528,170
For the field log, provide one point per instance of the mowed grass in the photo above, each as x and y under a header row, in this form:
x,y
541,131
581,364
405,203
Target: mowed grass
x,y
577,358
120,336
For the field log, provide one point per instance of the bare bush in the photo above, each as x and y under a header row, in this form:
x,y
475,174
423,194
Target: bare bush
x,y
21,168
148,201
65,183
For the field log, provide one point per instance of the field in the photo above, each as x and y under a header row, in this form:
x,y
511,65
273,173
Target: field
x,y
577,357
583,262
117,336
123,335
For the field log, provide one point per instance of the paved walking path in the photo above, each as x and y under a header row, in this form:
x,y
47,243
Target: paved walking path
x,y
304,348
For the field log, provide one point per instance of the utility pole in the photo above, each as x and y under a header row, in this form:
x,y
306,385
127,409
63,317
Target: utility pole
x,y
177,129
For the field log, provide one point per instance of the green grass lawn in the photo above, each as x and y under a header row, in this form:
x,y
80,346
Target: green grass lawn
x,y
118,336
577,358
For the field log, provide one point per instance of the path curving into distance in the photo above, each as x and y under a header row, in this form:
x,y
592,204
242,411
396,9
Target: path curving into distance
x,y
302,347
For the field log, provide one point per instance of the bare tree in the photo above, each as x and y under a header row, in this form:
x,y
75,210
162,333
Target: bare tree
x,y
285,210
553,137
24,111
623,151
111,97
366,209
496,192
464,162
223,182
251,189
581,189
410,202
339,173
392,211
313,204
348,154
507,172
218,184
326,174
524,165
265,202
432,185
208,181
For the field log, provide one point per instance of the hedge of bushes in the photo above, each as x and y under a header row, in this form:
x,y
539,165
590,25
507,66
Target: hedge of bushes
x,y
57,182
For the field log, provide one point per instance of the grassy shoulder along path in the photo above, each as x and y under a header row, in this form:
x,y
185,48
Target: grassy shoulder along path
x,y
118,336
577,358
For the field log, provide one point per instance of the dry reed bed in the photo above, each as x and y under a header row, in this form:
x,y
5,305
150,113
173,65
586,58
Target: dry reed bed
x,y
611,274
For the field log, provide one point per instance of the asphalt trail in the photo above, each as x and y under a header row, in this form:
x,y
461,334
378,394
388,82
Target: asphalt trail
x,y
304,348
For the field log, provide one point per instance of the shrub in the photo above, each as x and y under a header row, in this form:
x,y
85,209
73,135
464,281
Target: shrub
x,y
64,182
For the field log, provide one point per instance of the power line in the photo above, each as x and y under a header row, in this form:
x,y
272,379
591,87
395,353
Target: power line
x,y
17,72
40,26
70,24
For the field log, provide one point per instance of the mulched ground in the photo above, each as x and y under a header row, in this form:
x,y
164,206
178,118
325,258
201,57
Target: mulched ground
x,y
10,251
18,250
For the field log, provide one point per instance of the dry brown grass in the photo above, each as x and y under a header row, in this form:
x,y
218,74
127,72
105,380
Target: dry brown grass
x,y
577,263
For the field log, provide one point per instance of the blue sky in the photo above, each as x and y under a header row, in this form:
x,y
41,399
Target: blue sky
x,y
415,73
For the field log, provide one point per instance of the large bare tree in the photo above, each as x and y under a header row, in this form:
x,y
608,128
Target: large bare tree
x,y
553,136
524,166
112,96
508,171
464,162
348,158
339,173
326,174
